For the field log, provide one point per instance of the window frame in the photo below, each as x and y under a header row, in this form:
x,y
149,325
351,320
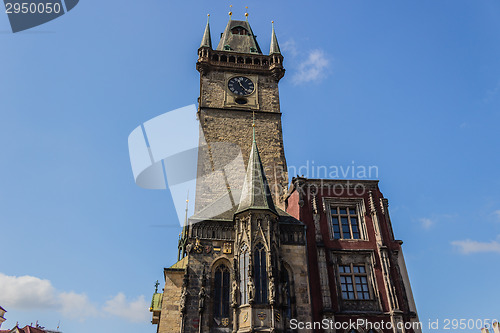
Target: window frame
x,y
339,216
358,205
288,279
352,275
220,290
244,258
260,274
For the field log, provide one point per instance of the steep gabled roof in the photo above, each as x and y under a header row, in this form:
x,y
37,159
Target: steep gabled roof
x,y
256,193
236,42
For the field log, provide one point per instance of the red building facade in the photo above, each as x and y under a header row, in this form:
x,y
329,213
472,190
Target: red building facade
x,y
356,267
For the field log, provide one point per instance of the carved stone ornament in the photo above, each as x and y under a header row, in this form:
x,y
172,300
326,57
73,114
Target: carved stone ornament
x,y
182,303
234,294
197,246
251,290
272,292
201,295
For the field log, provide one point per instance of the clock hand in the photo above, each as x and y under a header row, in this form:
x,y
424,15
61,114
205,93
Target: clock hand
x,y
246,90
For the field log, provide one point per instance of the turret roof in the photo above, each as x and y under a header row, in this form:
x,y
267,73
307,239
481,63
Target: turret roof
x,y
238,37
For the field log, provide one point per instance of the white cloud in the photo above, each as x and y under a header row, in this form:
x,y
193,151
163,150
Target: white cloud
x,y
313,68
497,214
75,305
289,47
29,292
469,246
426,223
135,310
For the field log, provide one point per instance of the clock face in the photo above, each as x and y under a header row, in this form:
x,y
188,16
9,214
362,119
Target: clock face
x,y
241,86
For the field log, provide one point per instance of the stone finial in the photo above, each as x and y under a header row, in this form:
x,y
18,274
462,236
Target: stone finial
x,y
496,327
207,40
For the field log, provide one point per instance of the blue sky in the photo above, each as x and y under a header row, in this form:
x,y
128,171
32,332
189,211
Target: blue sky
x,y
412,87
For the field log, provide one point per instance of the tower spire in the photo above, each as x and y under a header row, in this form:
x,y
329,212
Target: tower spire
x,y
207,40
255,193
184,235
275,48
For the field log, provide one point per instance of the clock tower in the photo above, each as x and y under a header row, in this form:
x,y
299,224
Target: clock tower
x,y
237,83
245,264
242,261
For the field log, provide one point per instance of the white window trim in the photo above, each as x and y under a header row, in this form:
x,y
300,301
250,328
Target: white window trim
x,y
359,203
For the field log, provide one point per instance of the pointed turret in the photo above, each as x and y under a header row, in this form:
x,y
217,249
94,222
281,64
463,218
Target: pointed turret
x,y
238,37
207,40
275,48
255,193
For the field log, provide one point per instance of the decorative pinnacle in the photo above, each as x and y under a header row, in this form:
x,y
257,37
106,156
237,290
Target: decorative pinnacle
x,y
230,12
187,206
246,14
274,42
253,124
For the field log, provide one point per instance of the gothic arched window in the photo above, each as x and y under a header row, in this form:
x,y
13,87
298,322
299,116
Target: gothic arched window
x,y
221,292
260,274
287,293
244,263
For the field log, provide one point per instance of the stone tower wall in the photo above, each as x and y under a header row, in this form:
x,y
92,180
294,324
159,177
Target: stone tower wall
x,y
213,91
296,257
170,320
232,125
236,127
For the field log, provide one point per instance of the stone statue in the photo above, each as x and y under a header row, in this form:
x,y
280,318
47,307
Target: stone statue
x,y
201,303
272,291
234,294
251,290
182,304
